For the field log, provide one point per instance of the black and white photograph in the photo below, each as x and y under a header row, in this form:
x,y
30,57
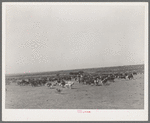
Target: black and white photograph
x,y
74,61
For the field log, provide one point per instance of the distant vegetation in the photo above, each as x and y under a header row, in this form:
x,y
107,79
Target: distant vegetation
x,y
103,70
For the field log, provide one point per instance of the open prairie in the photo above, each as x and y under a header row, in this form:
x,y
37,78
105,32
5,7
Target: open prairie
x,y
121,94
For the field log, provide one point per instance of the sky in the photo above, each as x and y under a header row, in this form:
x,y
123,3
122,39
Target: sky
x,y
48,37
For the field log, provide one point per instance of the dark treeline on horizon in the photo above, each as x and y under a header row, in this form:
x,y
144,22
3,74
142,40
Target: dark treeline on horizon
x,y
89,70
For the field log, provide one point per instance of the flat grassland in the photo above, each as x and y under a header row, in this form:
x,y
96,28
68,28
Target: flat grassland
x,y
122,94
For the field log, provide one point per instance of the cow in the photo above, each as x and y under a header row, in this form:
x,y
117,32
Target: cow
x,y
49,84
134,73
130,76
55,83
69,84
122,76
111,78
22,82
87,80
34,83
96,81
62,83
104,80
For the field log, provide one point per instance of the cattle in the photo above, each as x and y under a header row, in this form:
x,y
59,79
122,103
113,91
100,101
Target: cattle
x,y
134,73
67,81
19,82
58,90
43,82
58,80
62,83
49,84
111,78
122,76
130,76
55,83
69,85
96,81
103,81
103,76
87,80
34,84
22,82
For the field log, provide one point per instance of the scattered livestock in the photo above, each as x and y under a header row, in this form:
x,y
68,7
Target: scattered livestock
x,y
69,80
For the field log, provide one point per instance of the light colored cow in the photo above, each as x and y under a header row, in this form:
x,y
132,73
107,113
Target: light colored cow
x,y
69,84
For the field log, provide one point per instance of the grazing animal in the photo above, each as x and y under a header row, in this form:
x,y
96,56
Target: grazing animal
x,y
58,90
122,77
111,79
96,82
134,73
103,81
62,83
69,84
49,84
130,76
54,84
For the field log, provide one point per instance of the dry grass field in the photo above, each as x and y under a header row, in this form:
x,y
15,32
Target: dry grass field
x,y
122,94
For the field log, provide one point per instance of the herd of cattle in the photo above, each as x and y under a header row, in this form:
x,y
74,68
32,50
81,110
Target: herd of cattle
x,y
69,80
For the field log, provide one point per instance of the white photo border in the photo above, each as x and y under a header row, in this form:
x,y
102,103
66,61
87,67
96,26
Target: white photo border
x,y
72,114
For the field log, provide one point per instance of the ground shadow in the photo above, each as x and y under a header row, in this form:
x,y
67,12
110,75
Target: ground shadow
x,y
60,93
73,88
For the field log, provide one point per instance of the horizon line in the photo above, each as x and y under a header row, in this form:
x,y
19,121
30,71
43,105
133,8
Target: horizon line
x,y
67,70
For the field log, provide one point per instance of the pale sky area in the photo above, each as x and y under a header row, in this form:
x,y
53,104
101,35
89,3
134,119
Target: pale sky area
x,y
43,38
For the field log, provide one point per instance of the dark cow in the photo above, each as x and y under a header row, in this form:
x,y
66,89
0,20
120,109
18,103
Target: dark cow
x,y
122,76
134,73
111,78
130,76
62,83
